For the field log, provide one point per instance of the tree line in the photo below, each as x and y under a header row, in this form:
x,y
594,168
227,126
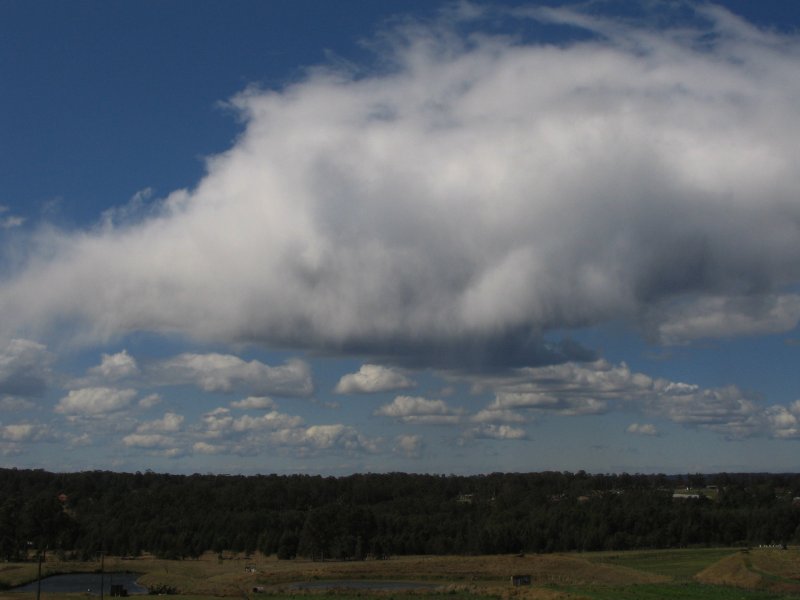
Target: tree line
x,y
78,515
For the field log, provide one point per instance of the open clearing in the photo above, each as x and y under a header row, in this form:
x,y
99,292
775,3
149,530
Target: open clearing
x,y
702,574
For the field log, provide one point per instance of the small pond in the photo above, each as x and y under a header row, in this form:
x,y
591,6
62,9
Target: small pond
x,y
348,584
85,582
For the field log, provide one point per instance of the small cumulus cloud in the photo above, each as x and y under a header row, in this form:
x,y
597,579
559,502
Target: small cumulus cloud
x,y
206,448
255,402
420,410
642,429
115,366
173,452
8,221
220,423
25,432
324,437
576,389
494,414
80,440
372,379
410,446
270,420
497,432
228,373
170,422
95,401
150,401
784,421
558,404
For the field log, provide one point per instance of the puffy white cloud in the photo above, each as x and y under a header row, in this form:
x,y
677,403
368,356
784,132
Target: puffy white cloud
x,y
642,429
324,437
372,379
220,422
494,414
574,389
150,401
416,409
170,422
17,433
479,188
77,441
497,432
270,420
206,448
27,432
173,452
564,404
255,402
217,421
116,366
227,373
410,446
783,422
95,401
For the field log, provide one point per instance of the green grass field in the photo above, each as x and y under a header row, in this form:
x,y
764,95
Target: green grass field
x,y
685,591
682,564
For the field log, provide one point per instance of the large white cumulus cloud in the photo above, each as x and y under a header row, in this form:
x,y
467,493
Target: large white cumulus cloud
x,y
478,188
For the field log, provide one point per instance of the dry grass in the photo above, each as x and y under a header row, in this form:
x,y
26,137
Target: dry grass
x,y
553,576
209,576
732,570
474,570
779,563
775,570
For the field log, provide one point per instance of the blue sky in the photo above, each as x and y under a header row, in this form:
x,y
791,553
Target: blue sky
x,y
444,237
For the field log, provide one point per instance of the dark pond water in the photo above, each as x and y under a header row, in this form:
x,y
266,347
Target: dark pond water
x,y
343,584
85,582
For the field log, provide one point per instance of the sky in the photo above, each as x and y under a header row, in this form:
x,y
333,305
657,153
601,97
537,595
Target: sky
x,y
433,237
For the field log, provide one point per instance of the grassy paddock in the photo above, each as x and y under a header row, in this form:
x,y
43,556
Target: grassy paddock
x,y
681,564
685,591
702,574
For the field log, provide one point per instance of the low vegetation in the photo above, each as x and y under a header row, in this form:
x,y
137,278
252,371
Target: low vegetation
x,y
701,574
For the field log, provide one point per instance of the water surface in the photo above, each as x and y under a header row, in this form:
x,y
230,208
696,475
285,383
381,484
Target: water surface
x,y
85,582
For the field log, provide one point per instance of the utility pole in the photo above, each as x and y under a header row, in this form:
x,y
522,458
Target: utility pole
x,y
39,577
102,583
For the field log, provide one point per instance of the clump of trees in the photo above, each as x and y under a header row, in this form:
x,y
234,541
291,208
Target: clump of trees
x,y
375,515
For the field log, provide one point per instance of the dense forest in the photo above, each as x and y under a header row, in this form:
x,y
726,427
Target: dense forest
x,y
79,515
